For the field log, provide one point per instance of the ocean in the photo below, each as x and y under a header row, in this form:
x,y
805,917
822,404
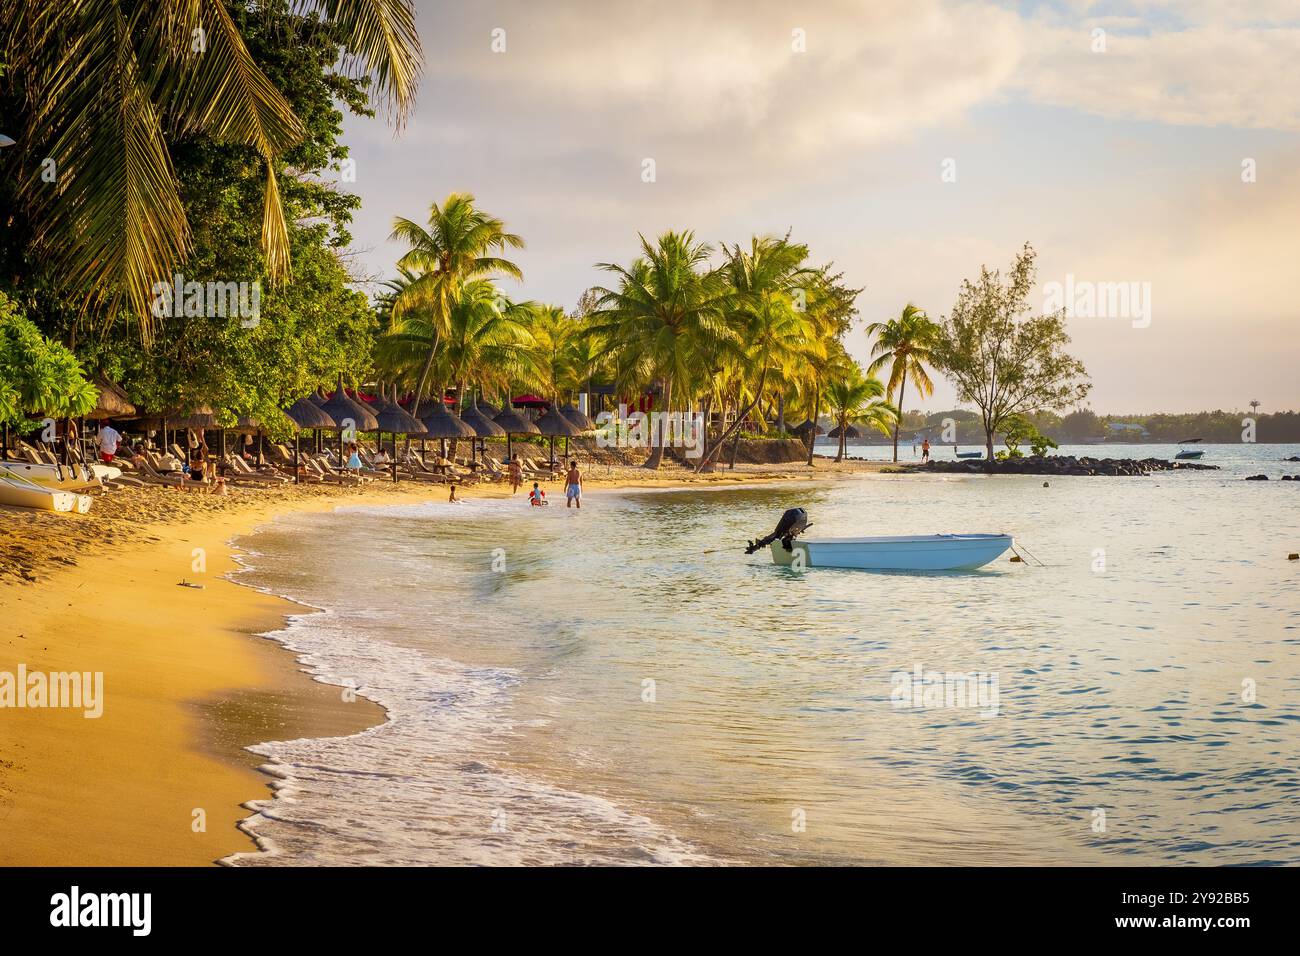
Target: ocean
x,y
624,685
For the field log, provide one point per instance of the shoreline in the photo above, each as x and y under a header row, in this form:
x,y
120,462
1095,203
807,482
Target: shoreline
x,y
191,676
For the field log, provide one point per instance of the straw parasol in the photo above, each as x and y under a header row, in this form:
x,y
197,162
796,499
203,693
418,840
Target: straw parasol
x,y
342,409
808,425
200,418
484,427
575,415
849,432
440,422
392,417
553,424
305,413
111,403
512,423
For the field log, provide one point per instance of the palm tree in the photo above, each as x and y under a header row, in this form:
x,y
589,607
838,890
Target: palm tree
x,y
455,249
98,84
775,331
664,320
905,343
856,399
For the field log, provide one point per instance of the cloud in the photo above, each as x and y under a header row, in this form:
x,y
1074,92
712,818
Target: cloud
x,y
1203,76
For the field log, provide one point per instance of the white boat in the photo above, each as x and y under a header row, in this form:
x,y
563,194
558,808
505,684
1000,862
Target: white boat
x,y
909,552
61,477
1188,454
22,493
912,552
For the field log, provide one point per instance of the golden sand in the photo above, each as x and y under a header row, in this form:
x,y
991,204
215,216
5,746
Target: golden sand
x,y
160,777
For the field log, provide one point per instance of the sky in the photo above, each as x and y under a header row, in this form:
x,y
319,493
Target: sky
x,y
1148,150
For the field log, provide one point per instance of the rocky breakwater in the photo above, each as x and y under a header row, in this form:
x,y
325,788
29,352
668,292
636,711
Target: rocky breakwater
x,y
1062,465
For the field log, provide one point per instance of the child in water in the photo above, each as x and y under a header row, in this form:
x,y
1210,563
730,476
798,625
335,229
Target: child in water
x,y
536,497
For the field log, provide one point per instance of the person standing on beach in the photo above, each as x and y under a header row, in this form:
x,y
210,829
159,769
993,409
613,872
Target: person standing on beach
x,y
573,486
925,450
516,476
109,437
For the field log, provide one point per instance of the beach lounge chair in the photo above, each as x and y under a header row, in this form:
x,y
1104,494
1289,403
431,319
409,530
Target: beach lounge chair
x,y
241,470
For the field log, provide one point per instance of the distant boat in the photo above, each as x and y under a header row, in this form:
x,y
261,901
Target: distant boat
x,y
970,454
1189,453
927,552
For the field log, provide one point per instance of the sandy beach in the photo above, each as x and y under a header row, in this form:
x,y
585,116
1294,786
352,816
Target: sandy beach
x,y
160,777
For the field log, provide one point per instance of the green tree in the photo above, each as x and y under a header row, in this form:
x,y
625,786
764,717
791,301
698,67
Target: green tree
x,y
456,248
766,307
37,376
1003,359
308,330
665,320
859,400
905,344
105,217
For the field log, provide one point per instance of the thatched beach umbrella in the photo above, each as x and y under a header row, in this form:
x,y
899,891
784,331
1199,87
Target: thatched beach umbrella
x,y
553,424
305,413
201,418
393,418
808,430
579,418
442,423
575,415
342,409
512,423
483,426
849,432
112,402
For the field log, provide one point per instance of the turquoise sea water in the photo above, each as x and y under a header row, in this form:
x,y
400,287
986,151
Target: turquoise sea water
x,y
625,685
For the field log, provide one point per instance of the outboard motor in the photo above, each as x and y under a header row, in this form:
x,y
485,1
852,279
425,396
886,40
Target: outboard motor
x,y
792,524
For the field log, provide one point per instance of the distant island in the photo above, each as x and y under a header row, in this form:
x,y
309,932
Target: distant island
x,y
1086,427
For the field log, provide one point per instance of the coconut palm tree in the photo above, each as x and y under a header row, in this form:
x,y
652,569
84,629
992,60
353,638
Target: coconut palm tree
x,y
456,248
905,344
766,311
664,320
98,84
486,336
859,400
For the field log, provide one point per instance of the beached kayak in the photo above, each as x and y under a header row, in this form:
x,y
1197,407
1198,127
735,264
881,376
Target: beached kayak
x,y
60,477
22,493
929,552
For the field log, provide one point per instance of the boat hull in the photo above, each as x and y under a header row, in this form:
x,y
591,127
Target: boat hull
x,y
1188,455
937,552
25,494
66,478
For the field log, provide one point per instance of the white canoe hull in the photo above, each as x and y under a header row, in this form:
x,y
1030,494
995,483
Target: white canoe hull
x,y
934,552
26,494
67,478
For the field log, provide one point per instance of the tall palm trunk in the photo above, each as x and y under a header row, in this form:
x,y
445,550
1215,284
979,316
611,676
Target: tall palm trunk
x,y
902,385
844,428
657,435
424,375
711,453
817,405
